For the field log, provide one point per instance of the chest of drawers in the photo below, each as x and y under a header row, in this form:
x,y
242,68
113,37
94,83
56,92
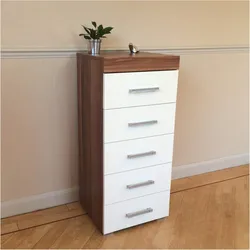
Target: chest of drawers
x,y
126,121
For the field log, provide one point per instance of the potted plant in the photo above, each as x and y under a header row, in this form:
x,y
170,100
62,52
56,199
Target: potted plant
x,y
94,35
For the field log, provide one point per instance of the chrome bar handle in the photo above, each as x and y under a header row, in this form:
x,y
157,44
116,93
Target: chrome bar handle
x,y
134,124
144,211
141,184
141,154
143,90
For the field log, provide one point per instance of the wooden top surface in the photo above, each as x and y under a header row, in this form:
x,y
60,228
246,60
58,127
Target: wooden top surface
x,y
109,55
123,61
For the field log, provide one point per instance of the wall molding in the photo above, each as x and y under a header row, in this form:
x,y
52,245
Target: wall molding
x,y
37,202
64,53
51,199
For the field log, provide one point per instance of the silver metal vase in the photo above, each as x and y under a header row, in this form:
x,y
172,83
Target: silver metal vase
x,y
94,46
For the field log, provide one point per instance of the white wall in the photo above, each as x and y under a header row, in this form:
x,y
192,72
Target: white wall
x,y
150,24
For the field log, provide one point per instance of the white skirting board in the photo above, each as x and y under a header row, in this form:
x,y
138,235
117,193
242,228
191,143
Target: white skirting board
x,y
42,201
209,166
37,202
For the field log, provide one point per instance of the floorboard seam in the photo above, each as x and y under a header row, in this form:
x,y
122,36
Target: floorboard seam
x,y
48,231
211,183
83,247
45,224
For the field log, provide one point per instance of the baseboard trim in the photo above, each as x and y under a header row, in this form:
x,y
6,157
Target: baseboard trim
x,y
209,166
37,202
52,199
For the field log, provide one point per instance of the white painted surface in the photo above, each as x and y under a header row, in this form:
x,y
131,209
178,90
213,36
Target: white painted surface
x,y
115,185
115,214
37,202
115,154
209,166
117,87
116,122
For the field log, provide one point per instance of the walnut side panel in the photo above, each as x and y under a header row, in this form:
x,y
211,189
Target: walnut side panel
x,y
97,171
90,110
133,63
82,133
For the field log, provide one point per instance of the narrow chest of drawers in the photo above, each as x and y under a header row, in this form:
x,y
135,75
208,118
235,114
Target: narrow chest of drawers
x,y
126,121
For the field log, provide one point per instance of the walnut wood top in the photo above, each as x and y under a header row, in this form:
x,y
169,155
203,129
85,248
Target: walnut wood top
x,y
123,61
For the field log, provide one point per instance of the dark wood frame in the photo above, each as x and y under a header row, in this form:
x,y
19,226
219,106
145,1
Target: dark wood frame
x,y
90,127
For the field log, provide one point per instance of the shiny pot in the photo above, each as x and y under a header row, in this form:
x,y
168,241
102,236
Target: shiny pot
x,y
94,46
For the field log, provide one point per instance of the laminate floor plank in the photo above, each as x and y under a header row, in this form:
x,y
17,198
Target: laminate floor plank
x,y
35,235
76,206
5,237
8,226
17,238
76,235
52,235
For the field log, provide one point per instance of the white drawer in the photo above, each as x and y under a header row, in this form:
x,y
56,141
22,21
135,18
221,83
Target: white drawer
x,y
136,211
132,123
133,154
136,183
139,88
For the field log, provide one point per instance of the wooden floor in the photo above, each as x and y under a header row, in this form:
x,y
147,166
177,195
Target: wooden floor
x,y
206,211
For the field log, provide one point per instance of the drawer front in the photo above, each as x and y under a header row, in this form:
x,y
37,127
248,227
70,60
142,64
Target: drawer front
x,y
139,122
139,88
136,211
136,183
133,154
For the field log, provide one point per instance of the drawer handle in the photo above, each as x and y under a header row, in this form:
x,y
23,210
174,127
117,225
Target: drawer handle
x,y
134,124
141,184
144,211
143,90
141,154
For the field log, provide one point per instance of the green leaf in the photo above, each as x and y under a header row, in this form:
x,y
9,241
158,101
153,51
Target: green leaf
x,y
100,27
94,24
86,37
100,31
107,30
86,29
92,34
